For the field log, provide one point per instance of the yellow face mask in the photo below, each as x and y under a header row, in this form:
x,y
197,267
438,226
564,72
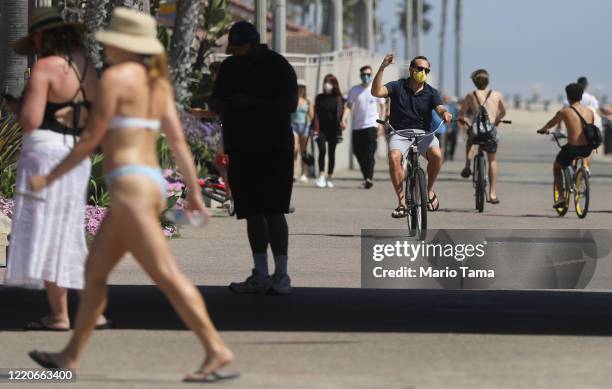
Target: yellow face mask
x,y
419,76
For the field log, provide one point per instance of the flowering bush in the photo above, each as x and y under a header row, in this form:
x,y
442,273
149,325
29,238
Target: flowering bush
x,y
202,138
6,207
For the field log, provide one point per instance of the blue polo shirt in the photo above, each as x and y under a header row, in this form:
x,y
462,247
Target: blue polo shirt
x,y
411,110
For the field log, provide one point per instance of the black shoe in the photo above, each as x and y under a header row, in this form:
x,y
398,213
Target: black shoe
x,y
368,184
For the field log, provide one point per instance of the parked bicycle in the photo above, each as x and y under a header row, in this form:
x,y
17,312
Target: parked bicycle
x,y
415,180
575,182
213,188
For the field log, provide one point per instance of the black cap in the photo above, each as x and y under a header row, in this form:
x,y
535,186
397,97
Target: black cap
x,y
583,81
241,33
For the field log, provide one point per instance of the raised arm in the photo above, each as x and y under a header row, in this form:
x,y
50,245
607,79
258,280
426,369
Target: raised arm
x,y
104,107
378,89
555,121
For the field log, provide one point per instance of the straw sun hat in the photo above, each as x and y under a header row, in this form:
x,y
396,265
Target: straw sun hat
x,y
42,19
132,31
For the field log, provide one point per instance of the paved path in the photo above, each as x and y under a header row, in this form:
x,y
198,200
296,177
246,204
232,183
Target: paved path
x,y
330,333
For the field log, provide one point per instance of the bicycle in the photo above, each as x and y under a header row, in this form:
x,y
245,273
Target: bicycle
x,y
214,189
574,180
415,180
479,175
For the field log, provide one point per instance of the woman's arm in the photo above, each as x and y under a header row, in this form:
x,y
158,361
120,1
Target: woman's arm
x,y
171,127
33,105
104,107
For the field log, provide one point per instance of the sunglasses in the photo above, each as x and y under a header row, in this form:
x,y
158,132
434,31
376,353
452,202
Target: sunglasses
x,y
366,74
421,68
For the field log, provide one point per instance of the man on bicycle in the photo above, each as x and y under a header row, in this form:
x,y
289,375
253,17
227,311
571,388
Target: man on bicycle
x,y
412,102
494,111
577,145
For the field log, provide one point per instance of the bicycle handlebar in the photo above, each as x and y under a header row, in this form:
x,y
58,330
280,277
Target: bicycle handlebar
x,y
410,133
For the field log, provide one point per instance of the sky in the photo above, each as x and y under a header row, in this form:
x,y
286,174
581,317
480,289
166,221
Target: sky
x,y
521,43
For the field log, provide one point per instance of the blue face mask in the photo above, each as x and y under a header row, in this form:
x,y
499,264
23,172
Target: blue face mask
x,y
366,78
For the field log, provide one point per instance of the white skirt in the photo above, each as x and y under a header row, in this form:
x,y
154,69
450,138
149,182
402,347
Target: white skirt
x,y
48,237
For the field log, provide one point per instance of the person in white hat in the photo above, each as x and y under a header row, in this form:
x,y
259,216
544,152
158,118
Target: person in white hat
x,y
135,101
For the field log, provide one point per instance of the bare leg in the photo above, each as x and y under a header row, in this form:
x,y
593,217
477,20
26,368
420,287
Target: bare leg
x,y
492,175
296,149
468,154
58,304
152,252
396,171
434,159
303,145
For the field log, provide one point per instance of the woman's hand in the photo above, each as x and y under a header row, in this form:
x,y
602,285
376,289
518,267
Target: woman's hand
x,y
38,183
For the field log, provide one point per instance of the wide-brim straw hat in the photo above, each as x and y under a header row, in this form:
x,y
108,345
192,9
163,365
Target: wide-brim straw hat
x,y
132,31
43,19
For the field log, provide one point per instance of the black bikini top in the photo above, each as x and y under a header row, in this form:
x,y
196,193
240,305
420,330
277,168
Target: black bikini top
x,y
50,122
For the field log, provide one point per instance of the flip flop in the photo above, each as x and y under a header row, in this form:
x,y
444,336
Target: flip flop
x,y
39,325
43,359
211,377
399,212
493,201
466,172
430,206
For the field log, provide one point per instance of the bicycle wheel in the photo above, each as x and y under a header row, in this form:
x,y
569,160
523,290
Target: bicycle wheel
x,y
480,183
561,211
420,203
408,193
581,195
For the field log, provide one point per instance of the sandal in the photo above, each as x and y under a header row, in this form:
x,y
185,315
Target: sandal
x,y
466,172
399,212
210,377
44,359
40,325
430,205
493,200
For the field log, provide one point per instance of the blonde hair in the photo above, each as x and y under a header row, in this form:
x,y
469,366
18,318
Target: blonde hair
x,y
157,66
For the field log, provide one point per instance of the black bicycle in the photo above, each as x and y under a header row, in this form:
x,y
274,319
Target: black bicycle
x,y
415,180
479,174
575,182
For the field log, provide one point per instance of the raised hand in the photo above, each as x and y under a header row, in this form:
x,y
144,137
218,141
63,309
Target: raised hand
x,y
388,60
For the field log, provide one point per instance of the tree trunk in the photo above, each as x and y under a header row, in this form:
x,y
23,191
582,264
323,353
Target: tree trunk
x,y
95,18
13,25
458,48
133,4
442,44
181,56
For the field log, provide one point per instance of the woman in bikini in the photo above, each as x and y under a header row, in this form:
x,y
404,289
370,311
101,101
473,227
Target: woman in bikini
x,y
48,234
135,100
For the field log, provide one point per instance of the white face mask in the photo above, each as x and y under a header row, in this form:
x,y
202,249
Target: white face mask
x,y
327,87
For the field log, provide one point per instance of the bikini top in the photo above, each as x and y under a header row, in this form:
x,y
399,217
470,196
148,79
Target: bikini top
x,y
123,122
50,121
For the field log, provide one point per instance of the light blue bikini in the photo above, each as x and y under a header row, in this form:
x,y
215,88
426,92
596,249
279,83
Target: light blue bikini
x,y
155,173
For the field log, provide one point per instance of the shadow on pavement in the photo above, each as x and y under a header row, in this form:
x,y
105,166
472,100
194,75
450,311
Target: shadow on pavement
x,y
142,307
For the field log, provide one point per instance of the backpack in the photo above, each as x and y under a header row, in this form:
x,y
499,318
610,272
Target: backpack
x,y
592,133
481,129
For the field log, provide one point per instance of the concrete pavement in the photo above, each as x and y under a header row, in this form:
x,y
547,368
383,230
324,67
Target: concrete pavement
x,y
330,333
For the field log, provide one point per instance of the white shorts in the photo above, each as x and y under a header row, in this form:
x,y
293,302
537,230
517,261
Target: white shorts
x,y
396,142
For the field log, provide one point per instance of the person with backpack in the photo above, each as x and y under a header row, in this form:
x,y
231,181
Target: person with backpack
x,y
486,109
582,135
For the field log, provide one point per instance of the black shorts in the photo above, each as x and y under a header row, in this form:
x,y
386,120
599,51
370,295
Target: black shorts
x,y
261,182
489,145
570,152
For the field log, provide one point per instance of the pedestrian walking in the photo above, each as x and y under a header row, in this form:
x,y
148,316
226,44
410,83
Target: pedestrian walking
x,y
365,109
330,121
48,246
255,94
134,102
300,121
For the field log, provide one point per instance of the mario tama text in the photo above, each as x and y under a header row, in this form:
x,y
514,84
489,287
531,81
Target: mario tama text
x,y
401,259
486,259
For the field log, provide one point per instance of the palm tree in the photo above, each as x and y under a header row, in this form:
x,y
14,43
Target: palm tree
x,y
181,55
13,25
457,48
426,23
133,4
95,18
442,43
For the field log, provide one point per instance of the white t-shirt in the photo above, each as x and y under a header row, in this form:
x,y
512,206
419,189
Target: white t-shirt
x,y
588,100
364,107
